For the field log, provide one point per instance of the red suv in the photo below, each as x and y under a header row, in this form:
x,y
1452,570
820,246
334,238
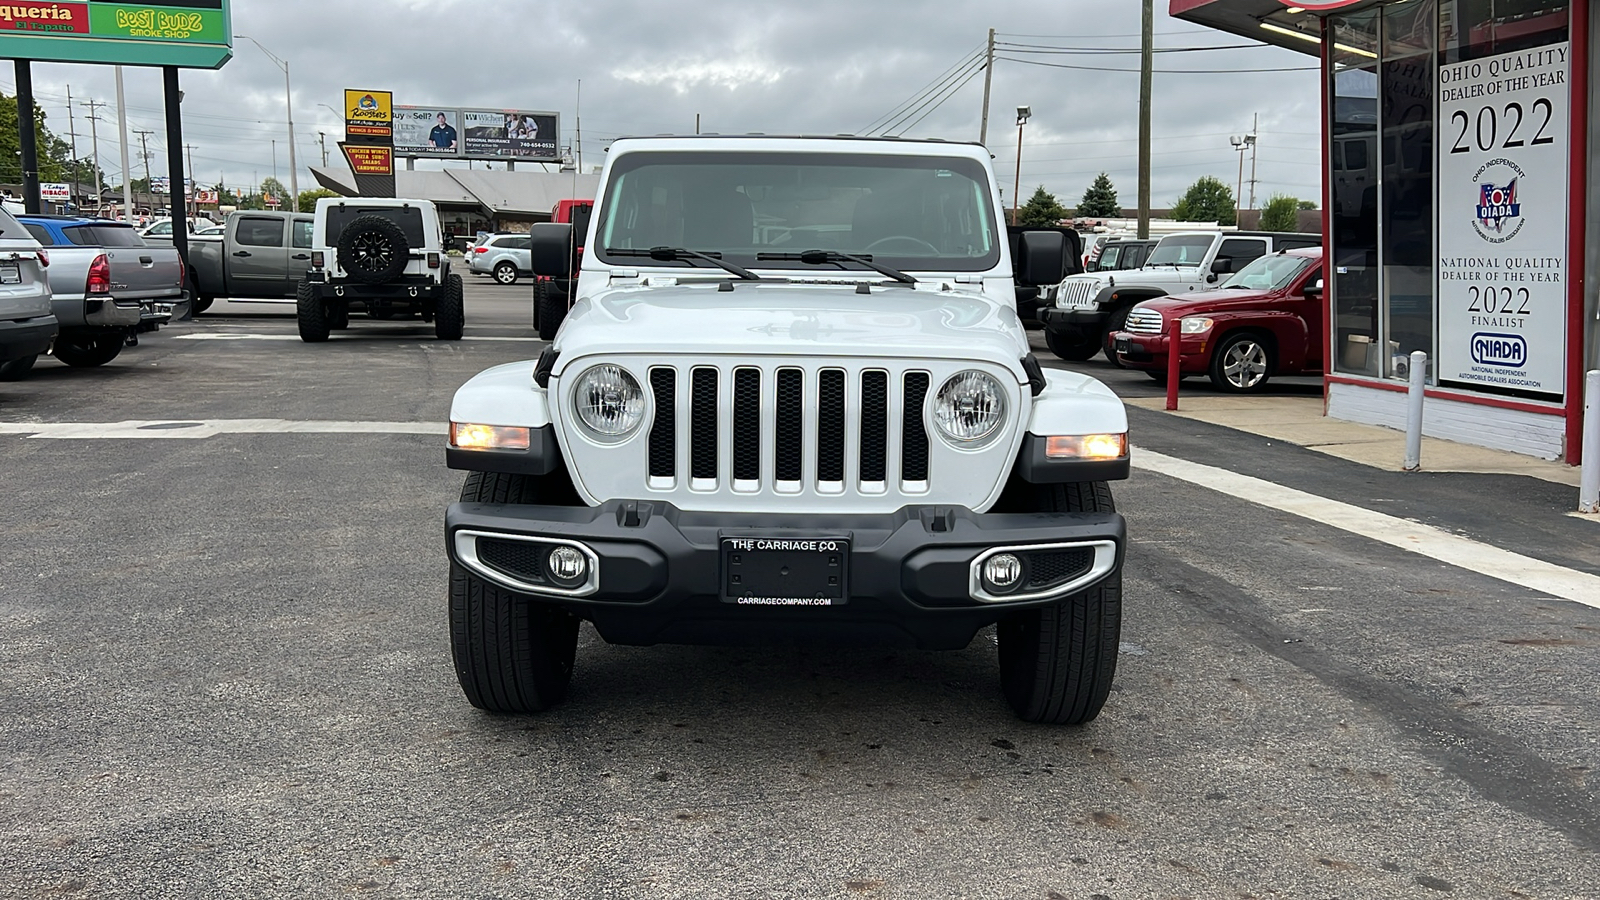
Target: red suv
x,y
1266,320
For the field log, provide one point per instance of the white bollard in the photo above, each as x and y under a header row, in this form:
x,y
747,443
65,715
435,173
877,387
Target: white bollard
x,y
1589,485
1419,382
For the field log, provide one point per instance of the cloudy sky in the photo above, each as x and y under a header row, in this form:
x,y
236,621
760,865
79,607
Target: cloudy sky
x,y
826,66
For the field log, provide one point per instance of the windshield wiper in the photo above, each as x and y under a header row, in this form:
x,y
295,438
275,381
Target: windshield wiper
x,y
819,257
682,254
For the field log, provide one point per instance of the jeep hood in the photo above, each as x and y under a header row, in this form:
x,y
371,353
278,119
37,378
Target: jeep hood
x,y
794,319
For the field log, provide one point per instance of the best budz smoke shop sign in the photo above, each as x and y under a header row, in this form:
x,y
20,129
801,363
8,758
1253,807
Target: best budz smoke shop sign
x,y
1503,210
190,33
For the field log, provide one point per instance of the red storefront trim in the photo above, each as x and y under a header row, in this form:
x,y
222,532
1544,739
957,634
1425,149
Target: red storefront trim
x,y
1445,394
1328,355
1577,228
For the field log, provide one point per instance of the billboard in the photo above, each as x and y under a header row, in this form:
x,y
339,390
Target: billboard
x,y
510,134
427,131
190,33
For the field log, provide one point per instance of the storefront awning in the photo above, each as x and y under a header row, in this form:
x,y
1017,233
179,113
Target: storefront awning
x,y
1292,26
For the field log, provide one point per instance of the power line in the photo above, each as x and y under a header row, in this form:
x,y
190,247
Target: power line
x,y
1035,62
946,91
953,91
1053,48
932,86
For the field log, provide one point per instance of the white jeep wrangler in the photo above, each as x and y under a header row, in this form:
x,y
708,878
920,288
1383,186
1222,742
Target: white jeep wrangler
x,y
793,402
381,255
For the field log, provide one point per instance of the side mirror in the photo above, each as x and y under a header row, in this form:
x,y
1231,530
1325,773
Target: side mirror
x,y
1222,265
550,249
1314,289
1041,257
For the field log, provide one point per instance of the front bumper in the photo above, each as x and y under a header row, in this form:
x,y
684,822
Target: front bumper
x,y
1072,321
658,569
1149,352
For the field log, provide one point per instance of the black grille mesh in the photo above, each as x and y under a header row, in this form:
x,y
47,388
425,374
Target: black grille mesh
x,y
522,560
914,437
703,424
790,431
830,425
874,424
1048,567
663,431
747,424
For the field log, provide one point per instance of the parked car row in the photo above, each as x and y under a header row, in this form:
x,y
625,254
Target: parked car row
x,y
80,289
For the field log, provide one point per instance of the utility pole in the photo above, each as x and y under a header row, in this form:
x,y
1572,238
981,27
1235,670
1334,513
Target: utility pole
x,y
189,148
144,151
322,141
988,80
72,129
94,160
578,121
1255,122
1146,66
122,144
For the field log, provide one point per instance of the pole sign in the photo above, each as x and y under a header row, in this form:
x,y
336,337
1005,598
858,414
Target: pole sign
x,y
368,117
1503,206
55,192
195,34
368,160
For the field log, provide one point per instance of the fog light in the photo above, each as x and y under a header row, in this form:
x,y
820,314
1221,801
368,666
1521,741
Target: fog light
x,y
1002,573
567,566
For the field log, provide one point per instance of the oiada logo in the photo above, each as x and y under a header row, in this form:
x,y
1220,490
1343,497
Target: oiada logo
x,y
1497,215
1499,350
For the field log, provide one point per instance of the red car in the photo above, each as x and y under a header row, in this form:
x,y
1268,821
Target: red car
x,y
1266,320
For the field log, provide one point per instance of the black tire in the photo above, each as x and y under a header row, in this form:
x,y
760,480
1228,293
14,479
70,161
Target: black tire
x,y
552,310
449,314
373,250
202,304
1242,363
1119,318
338,313
17,369
1057,662
505,273
86,352
310,314
1071,347
512,654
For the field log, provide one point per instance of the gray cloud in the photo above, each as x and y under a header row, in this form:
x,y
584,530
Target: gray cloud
x,y
828,66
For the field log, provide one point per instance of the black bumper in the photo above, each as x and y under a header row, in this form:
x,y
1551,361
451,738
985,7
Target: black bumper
x,y
28,337
397,292
1073,321
660,569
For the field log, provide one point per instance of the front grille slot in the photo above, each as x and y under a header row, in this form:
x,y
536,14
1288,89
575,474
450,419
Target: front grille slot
x,y
1047,568
790,425
830,426
522,560
874,425
703,424
1143,321
663,431
747,424
914,436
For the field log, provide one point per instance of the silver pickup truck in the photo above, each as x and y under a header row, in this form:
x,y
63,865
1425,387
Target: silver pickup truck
x,y
106,283
259,255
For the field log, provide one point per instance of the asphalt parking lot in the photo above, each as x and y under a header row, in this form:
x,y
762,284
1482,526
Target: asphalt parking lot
x,y
226,674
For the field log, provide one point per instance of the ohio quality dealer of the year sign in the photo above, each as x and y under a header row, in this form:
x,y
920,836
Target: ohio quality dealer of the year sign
x,y
1503,209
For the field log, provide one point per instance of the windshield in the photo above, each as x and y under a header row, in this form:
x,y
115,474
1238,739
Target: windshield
x,y
1180,250
907,212
1270,273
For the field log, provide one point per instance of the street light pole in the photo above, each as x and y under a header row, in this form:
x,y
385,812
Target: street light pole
x,y
288,106
1024,113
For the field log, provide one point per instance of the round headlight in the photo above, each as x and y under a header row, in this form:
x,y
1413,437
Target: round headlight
x,y
969,407
608,402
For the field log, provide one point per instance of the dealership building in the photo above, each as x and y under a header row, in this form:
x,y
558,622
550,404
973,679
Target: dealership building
x,y
474,200
1457,195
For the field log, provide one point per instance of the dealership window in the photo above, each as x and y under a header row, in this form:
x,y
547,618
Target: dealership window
x,y
1406,84
1353,192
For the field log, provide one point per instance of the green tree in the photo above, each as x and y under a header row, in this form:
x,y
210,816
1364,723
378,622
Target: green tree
x,y
1207,200
1100,200
1307,204
308,199
1281,213
272,187
1041,209
55,154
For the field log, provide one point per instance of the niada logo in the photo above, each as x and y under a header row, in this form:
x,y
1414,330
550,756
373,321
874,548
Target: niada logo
x,y
1499,350
1497,217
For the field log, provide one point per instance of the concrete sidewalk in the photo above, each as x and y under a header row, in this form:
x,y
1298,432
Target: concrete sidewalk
x,y
1299,420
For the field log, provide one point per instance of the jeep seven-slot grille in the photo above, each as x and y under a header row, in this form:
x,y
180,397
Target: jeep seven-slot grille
x,y
831,442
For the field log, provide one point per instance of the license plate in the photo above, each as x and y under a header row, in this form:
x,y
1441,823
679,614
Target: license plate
x,y
10,273
768,571
1123,345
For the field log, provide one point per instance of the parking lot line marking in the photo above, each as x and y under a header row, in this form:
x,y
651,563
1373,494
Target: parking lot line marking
x,y
1464,553
194,429
252,336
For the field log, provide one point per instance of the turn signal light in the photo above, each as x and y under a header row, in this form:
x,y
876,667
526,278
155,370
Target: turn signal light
x,y
433,260
99,276
44,259
1086,446
465,436
317,259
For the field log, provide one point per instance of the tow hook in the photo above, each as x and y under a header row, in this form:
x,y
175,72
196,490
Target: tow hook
x,y
413,292
338,291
